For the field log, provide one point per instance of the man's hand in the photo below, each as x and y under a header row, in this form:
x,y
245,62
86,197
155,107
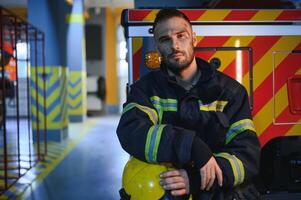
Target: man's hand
x,y
176,180
209,172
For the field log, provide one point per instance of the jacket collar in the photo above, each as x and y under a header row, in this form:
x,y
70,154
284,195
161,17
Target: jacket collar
x,y
207,71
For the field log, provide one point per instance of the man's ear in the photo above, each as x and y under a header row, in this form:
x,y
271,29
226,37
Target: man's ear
x,y
194,39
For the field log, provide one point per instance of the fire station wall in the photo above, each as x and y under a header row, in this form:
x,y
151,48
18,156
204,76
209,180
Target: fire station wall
x,y
48,17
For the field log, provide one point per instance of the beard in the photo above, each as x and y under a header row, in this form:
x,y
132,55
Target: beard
x,y
177,65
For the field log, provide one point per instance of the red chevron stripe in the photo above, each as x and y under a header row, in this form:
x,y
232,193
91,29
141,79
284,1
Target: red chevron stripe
x,y
261,44
286,68
210,41
278,130
289,15
136,64
213,41
205,55
138,15
193,15
240,15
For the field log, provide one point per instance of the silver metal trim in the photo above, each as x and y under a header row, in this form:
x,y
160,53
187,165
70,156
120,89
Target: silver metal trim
x,y
228,30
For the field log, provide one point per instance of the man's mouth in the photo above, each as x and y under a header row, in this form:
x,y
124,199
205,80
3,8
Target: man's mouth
x,y
176,55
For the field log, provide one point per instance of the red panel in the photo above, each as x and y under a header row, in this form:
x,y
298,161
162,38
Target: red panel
x,y
261,45
136,64
294,94
286,68
138,15
238,15
213,41
193,15
205,55
290,15
277,131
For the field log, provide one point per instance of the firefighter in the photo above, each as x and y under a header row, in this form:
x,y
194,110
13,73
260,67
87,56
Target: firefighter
x,y
191,115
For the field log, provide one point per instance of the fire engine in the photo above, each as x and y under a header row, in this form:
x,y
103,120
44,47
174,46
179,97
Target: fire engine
x,y
262,50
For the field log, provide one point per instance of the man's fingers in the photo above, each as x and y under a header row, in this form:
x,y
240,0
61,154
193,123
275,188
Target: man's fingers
x,y
219,175
170,174
203,178
178,192
175,179
174,186
211,180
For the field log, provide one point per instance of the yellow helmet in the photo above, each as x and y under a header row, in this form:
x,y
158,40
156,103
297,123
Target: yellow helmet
x,y
140,180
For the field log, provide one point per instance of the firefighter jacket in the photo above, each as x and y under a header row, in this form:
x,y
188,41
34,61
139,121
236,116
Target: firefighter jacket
x,y
162,122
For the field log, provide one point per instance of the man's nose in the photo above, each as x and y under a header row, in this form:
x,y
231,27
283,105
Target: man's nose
x,y
175,44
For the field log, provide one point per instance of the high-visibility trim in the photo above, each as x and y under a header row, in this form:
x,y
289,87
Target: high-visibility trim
x,y
238,127
236,165
165,104
149,111
152,142
216,106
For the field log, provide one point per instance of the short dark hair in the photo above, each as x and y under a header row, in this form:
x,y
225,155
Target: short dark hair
x,y
167,13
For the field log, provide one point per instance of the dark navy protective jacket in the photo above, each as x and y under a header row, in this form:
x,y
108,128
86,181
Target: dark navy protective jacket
x,y
162,122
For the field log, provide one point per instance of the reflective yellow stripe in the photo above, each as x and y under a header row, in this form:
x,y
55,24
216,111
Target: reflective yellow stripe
x,y
152,114
236,165
238,127
164,105
152,142
216,106
147,144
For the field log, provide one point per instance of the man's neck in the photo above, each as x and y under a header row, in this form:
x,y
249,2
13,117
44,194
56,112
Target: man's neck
x,y
188,72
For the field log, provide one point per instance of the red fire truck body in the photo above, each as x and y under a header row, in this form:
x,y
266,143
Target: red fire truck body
x,y
262,50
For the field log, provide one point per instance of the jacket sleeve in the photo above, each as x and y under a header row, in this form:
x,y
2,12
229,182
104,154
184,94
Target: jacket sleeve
x,y
240,156
142,136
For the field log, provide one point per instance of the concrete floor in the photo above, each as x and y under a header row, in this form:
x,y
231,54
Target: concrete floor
x,y
91,170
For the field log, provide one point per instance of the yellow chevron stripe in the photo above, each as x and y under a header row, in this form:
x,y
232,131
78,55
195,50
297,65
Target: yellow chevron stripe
x,y
264,117
227,57
137,44
74,90
52,125
294,130
281,100
50,117
264,66
214,15
74,102
151,16
266,15
57,73
199,38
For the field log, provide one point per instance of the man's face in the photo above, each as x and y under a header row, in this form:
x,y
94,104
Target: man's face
x,y
175,41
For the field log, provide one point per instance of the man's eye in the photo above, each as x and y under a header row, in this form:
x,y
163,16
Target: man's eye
x,y
180,35
164,40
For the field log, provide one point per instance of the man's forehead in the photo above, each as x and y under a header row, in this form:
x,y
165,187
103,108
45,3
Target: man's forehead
x,y
172,25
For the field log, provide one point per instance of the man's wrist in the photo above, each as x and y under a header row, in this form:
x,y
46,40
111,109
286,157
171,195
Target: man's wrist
x,y
200,153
